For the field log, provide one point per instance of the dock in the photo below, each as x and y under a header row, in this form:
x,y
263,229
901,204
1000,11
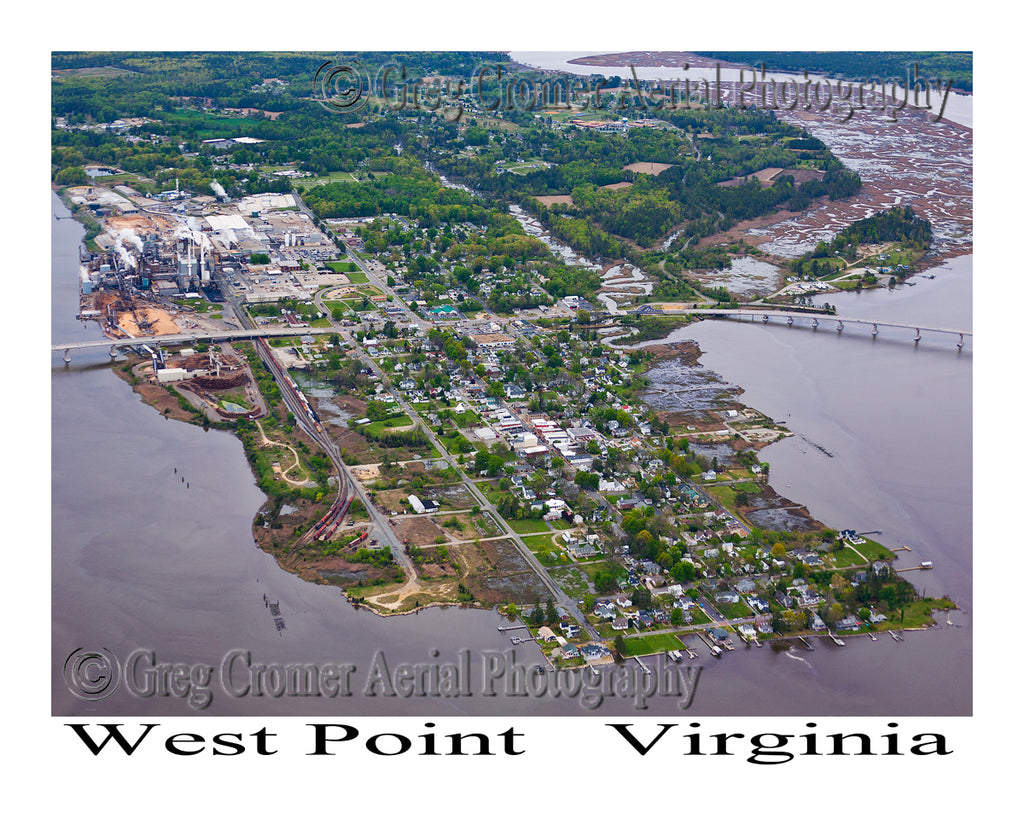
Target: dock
x,y
705,638
923,566
689,651
806,643
510,628
836,640
639,662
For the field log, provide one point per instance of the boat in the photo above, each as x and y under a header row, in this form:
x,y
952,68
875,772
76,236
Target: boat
x,y
675,655
716,651
927,564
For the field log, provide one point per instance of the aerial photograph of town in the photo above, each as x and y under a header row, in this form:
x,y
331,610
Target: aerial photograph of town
x,y
511,383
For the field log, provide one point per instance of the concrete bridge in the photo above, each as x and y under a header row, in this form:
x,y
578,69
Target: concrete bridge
x,y
116,344
790,317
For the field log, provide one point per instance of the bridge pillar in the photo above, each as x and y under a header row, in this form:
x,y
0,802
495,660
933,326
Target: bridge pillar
x,y
874,329
67,355
113,351
918,336
764,319
960,345
814,324
839,326
789,321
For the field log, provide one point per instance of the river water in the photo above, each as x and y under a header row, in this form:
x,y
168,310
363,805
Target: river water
x,y
140,562
958,107
882,442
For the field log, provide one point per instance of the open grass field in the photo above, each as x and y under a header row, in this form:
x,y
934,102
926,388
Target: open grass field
x,y
651,644
528,526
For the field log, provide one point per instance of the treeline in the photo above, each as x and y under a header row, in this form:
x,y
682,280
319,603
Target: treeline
x,y
583,163
399,185
230,79
898,224
394,439
885,66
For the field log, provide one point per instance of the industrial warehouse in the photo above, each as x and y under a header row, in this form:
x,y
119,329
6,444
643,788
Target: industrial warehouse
x,y
159,256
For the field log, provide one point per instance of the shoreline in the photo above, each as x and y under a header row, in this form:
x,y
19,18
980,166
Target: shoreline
x,y
688,352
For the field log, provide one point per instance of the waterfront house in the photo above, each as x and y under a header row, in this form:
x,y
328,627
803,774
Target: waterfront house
x,y
849,623
720,636
594,651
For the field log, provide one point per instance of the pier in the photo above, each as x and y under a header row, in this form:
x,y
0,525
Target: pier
x,y
689,651
705,638
923,566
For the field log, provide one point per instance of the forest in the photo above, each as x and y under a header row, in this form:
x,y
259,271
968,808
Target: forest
x,y
701,186
898,224
886,66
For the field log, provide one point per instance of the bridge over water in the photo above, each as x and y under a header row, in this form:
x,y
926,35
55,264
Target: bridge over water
x,y
790,317
116,344
764,316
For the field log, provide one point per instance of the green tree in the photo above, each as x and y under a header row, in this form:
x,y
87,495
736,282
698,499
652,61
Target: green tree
x,y
377,411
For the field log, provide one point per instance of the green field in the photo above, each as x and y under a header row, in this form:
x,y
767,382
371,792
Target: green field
x,y
199,305
917,614
528,526
651,644
350,269
735,610
873,550
699,617
846,557
539,543
402,420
